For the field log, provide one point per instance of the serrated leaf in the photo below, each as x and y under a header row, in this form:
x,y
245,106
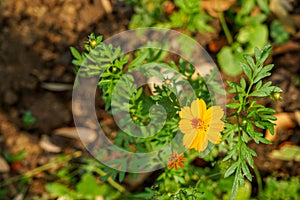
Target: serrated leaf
x,y
122,175
246,170
231,169
257,53
258,85
265,141
250,61
235,186
243,83
247,70
138,60
229,155
264,54
264,72
245,137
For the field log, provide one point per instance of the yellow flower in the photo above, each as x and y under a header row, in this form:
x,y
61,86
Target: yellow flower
x,y
200,125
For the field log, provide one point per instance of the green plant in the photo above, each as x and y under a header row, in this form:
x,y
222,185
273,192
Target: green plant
x,y
147,13
281,189
15,158
87,187
252,31
187,15
249,118
278,33
190,17
131,107
28,119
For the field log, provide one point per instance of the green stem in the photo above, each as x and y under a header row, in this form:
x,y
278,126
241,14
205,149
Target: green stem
x,y
55,163
113,183
259,180
224,25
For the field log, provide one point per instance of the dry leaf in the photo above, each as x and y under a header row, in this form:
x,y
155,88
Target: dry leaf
x,y
215,6
280,9
107,6
287,153
86,135
297,117
283,122
57,87
47,145
4,167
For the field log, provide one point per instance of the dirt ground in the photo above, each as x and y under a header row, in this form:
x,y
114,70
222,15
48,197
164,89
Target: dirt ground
x,y
36,75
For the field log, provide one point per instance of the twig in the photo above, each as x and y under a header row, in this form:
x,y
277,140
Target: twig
x,y
55,163
224,24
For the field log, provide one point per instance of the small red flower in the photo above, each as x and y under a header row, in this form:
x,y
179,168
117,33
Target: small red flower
x,y
175,160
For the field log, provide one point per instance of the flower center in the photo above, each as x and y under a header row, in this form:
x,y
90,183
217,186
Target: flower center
x,y
200,124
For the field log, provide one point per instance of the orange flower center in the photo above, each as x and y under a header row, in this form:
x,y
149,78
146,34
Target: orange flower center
x,y
199,124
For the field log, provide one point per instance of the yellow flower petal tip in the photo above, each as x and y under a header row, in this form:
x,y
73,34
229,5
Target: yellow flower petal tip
x,y
200,125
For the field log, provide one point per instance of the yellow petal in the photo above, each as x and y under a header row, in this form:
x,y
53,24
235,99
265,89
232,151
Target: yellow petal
x,y
198,108
208,116
214,137
213,113
204,144
218,126
200,142
188,138
185,113
185,126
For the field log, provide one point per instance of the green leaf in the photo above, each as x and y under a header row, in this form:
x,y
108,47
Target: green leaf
x,y
257,54
243,83
247,7
234,105
247,70
75,53
257,37
263,4
229,62
264,54
258,85
264,91
122,175
58,190
278,33
88,186
235,185
245,137
246,170
287,153
16,157
138,60
230,154
231,169
264,72
265,141
244,192
250,61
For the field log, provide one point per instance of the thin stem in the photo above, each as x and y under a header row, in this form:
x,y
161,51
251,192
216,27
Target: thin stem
x,y
113,183
259,180
224,24
45,167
